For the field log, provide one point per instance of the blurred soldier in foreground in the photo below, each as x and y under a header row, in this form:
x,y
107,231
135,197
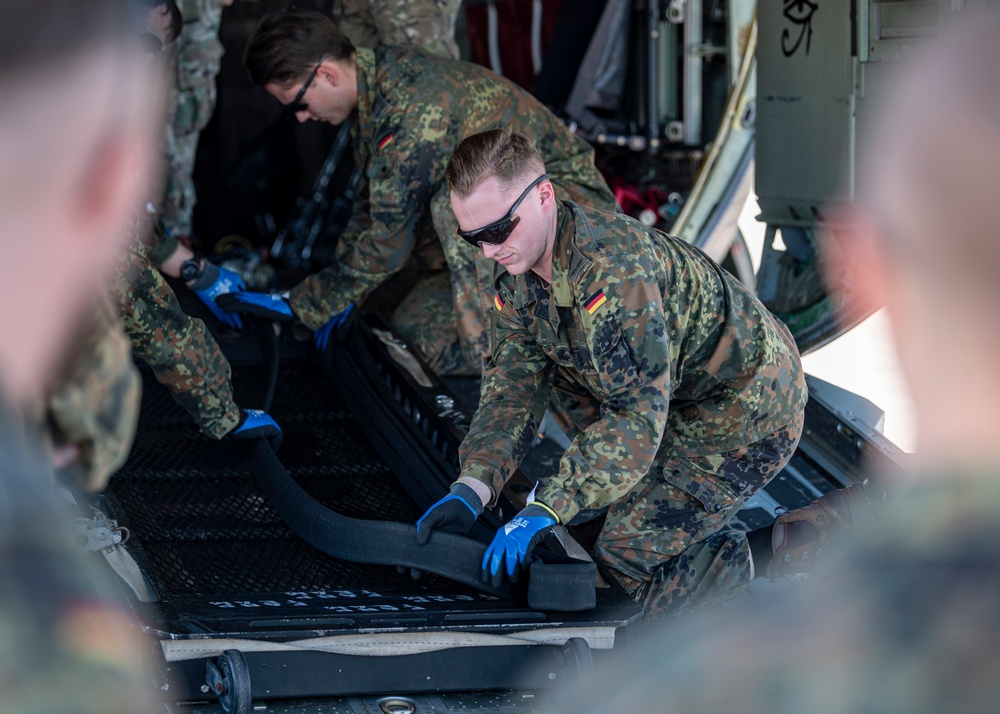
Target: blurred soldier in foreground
x,y
685,396
77,141
910,621
408,111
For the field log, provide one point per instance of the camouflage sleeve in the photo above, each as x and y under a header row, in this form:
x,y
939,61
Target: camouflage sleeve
x,y
179,348
512,400
95,406
160,245
399,192
631,350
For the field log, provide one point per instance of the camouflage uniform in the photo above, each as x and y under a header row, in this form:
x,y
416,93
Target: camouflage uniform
x,y
179,348
198,57
65,645
413,111
685,395
428,23
95,405
908,622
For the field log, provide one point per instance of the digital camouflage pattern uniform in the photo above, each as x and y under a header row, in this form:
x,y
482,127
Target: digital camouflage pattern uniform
x,y
684,395
95,404
179,348
65,643
908,622
428,23
413,111
198,57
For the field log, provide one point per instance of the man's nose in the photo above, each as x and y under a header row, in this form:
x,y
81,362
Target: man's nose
x,y
490,249
303,116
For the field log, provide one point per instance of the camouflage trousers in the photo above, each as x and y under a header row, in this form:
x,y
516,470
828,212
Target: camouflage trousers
x,y
669,544
180,350
179,194
428,23
425,319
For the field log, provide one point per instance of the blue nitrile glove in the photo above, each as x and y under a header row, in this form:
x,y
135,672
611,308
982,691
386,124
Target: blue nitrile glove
x,y
270,306
322,335
258,424
213,282
455,513
513,542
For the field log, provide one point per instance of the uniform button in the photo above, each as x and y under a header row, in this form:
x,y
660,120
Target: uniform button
x,y
545,301
718,506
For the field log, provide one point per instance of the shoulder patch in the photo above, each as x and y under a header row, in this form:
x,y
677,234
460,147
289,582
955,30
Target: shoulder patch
x,y
498,302
385,141
594,302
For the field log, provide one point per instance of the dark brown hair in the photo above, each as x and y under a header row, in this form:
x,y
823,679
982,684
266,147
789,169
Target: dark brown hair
x,y
286,45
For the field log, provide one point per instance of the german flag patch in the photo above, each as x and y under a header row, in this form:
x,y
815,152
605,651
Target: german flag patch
x,y
385,141
498,302
595,301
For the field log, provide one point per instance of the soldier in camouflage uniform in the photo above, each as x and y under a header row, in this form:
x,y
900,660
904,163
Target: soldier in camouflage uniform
x,y
428,23
685,396
179,348
197,58
408,111
908,620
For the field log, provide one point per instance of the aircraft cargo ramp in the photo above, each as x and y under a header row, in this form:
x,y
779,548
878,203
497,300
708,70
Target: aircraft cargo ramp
x,y
238,607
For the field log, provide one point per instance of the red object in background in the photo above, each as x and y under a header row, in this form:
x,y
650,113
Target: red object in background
x,y
513,42
634,200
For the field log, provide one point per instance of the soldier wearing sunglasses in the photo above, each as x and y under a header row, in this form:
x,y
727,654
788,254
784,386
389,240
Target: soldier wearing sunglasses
x,y
408,111
684,396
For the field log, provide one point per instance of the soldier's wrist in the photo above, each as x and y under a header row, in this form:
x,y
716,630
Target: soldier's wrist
x,y
478,489
469,495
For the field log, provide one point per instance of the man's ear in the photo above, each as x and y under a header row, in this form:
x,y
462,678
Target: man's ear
x,y
547,193
330,73
113,184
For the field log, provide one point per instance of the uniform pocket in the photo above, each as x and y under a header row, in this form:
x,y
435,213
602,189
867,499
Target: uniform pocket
x,y
613,358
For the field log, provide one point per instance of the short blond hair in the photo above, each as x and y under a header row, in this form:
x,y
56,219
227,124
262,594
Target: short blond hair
x,y
503,153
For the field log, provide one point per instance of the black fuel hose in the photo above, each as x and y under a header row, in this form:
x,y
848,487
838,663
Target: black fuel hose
x,y
564,586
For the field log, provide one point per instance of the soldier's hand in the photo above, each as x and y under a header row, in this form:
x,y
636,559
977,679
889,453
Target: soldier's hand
x,y
256,424
213,282
514,542
270,306
455,513
322,336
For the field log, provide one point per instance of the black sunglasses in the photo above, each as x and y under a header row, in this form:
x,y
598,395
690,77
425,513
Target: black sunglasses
x,y
497,232
297,105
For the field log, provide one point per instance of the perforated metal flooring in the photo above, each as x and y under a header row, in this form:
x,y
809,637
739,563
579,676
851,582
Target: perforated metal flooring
x,y
205,529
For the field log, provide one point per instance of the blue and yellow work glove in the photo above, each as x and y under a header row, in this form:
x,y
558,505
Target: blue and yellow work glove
x,y
255,424
214,281
455,513
270,306
322,335
513,543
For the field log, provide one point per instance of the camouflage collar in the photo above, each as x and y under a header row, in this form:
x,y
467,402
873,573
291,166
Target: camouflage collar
x,y
364,62
562,255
